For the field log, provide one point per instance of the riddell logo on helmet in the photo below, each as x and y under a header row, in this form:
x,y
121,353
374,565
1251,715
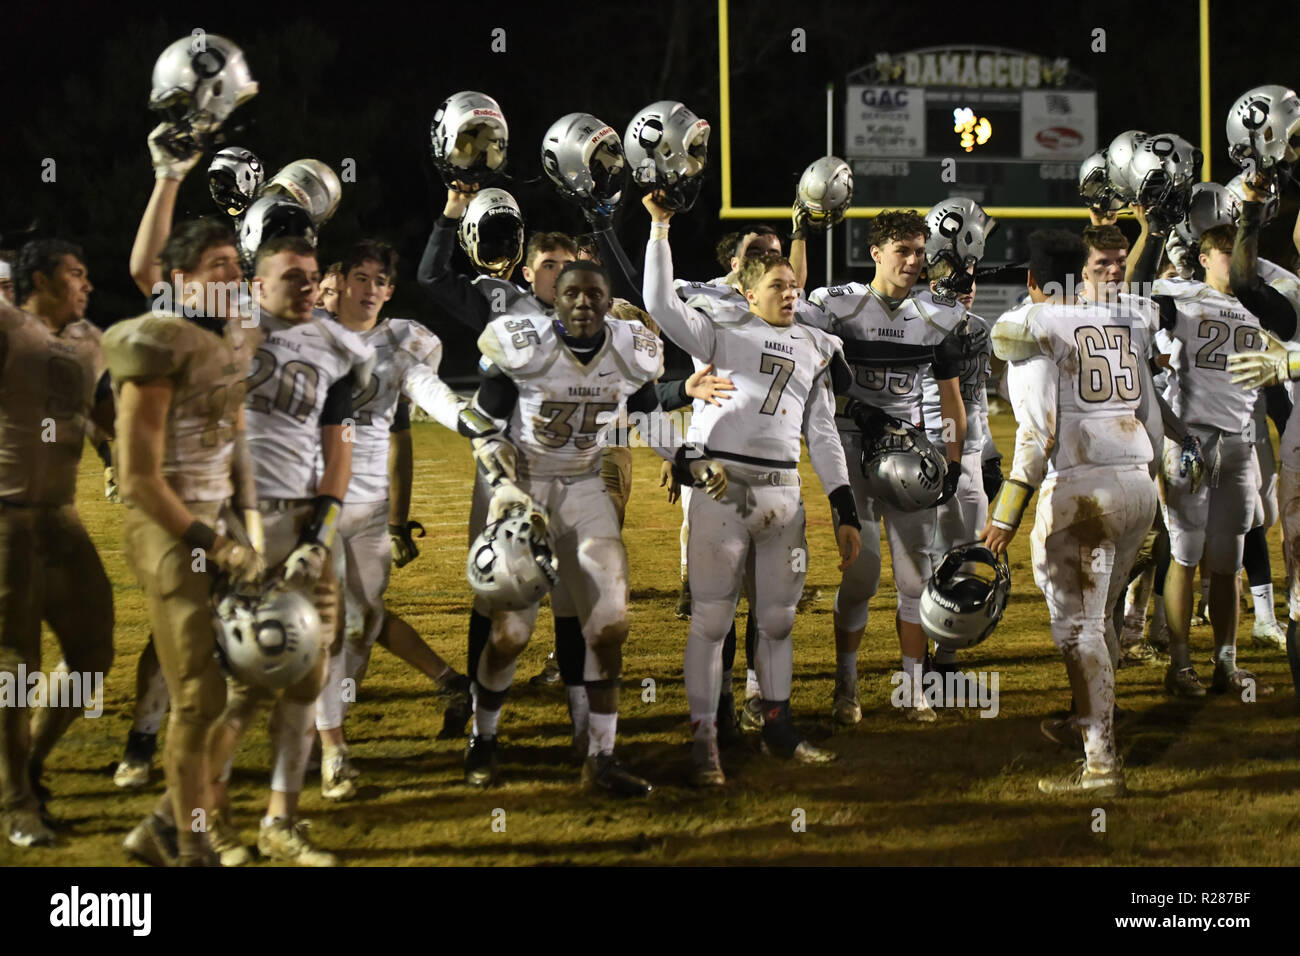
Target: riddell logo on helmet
x,y
601,134
486,113
1059,137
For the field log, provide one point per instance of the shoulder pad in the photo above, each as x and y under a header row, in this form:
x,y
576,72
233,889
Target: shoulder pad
x,y
417,341
521,345
639,351
1014,338
150,346
81,329
505,298
827,343
354,350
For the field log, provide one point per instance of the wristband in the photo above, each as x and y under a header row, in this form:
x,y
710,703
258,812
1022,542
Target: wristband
x,y
1010,505
846,509
1293,365
323,523
658,230
199,535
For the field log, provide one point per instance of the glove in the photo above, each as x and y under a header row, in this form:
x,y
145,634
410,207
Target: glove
x,y
950,482
710,476
173,150
399,538
508,495
1269,366
992,470
498,459
111,492
802,224
1191,464
243,564
960,344
870,420
303,568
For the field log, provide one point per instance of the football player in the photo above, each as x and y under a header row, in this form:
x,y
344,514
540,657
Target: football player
x,y
889,310
1207,321
535,419
330,284
1080,442
52,369
183,456
782,373
6,277
299,396
373,525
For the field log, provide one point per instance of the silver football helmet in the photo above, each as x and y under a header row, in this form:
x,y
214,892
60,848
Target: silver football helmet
x,y
234,177
312,185
1264,127
1119,156
584,158
1094,184
270,217
825,191
903,468
511,564
965,597
201,80
1182,160
1211,205
492,232
668,149
270,636
1236,189
468,138
1145,178
959,228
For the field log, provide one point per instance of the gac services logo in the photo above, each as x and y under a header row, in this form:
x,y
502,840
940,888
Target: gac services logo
x,y
1059,137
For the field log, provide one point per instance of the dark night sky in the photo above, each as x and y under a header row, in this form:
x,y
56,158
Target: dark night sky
x,y
362,81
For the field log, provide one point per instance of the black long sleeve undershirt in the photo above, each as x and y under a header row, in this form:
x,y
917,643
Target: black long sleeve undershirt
x,y
1271,307
453,292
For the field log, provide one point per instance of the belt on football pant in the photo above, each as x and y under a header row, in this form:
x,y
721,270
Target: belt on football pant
x,y
743,473
268,505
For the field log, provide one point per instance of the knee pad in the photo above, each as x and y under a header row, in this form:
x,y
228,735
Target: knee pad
x,y
1186,547
711,620
858,586
775,624
600,635
510,635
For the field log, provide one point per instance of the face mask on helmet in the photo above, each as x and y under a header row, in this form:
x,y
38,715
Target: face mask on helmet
x,y
667,147
1146,177
312,185
234,177
1210,205
468,138
492,232
1236,190
584,158
200,80
959,227
269,636
825,191
1181,160
965,597
1094,185
1263,128
271,217
511,564
903,468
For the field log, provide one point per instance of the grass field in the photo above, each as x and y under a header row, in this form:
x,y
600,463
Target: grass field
x,y
1214,781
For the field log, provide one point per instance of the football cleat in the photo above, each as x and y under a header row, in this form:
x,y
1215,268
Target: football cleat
x,y
781,740
706,763
1268,634
153,841
226,842
203,856
459,709
921,713
751,715
1183,682
1202,616
808,598
1138,654
481,761
337,776
845,710
1237,682
603,772
550,674
729,734
1106,784
683,611
286,840
26,829
137,763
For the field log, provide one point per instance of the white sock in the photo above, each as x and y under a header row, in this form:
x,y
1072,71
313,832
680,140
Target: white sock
x,y
751,684
601,734
330,707
705,726
151,708
579,708
485,721
1205,593
1263,603
846,668
912,673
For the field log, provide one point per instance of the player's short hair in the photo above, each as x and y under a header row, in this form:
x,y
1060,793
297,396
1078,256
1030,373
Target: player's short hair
x,y
1056,257
335,269
754,268
1104,237
295,244
897,224
1220,237
184,248
370,250
730,244
540,242
583,265
43,256
939,269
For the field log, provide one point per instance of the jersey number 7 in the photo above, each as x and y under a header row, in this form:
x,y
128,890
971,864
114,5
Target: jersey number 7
x,y
783,368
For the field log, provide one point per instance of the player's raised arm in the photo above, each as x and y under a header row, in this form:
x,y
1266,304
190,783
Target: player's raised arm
x,y
1274,311
173,156
453,292
690,330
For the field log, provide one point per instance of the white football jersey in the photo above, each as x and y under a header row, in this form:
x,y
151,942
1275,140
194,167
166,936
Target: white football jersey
x,y
1076,388
407,356
505,298
781,374
971,379
292,370
1210,326
858,315
563,403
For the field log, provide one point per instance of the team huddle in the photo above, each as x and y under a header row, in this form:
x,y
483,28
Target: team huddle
x,y
259,441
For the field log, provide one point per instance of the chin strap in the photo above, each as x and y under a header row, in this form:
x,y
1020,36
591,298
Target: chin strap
x,y
1009,507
